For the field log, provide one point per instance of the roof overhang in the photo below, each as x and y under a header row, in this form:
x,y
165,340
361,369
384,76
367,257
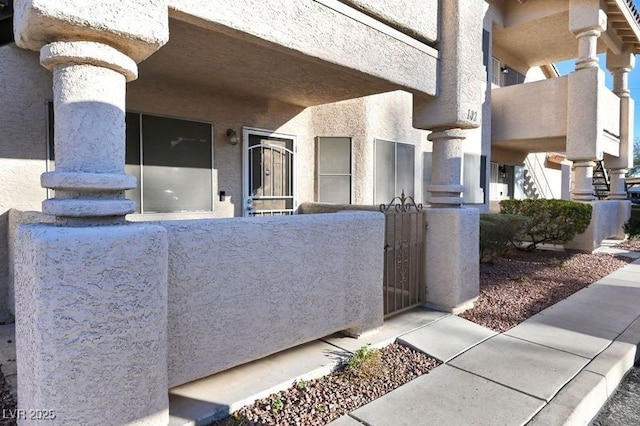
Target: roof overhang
x,y
623,22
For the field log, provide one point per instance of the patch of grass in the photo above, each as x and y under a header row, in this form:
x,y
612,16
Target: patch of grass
x,y
301,384
366,363
278,405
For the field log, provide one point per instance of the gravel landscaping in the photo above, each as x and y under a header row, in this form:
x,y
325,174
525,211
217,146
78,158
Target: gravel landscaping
x,y
511,290
523,283
317,402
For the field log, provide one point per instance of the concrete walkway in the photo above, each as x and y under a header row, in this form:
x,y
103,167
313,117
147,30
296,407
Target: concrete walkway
x,y
558,367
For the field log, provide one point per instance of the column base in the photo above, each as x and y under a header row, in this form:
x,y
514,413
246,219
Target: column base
x,y
91,323
453,259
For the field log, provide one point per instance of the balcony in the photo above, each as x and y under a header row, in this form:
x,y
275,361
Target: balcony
x,y
534,117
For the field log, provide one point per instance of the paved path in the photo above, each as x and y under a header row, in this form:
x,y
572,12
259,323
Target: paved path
x,y
558,367
623,409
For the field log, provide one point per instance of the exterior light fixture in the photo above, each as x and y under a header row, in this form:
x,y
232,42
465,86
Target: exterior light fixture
x,y
232,137
503,172
504,70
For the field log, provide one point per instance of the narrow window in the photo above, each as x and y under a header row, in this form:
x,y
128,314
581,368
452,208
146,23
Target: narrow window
x,y
394,170
334,170
496,72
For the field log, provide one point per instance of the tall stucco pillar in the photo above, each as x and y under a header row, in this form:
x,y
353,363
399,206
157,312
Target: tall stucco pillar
x,y
91,290
584,125
452,259
620,66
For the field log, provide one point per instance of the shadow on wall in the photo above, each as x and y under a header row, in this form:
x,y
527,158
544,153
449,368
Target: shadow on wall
x,y
5,315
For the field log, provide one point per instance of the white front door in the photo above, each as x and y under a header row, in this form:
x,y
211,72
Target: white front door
x,y
269,173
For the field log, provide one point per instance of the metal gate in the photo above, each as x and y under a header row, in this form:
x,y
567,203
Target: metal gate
x,y
404,255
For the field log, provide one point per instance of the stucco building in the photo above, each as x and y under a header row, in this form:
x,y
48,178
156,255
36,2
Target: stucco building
x,y
157,111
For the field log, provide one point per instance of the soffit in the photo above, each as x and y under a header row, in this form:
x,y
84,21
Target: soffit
x,y
215,63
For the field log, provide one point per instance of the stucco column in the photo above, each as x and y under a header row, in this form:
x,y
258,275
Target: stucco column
x,y
587,48
583,181
587,21
620,66
446,172
91,290
89,105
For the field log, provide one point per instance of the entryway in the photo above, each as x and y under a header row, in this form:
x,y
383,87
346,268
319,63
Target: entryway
x,y
269,173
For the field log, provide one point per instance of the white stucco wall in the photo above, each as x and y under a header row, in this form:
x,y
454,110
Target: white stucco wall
x,y
536,110
607,219
243,288
541,180
413,18
91,346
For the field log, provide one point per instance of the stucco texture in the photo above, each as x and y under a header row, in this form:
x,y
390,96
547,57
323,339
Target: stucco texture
x,y
453,280
313,31
418,19
137,28
607,219
92,346
244,288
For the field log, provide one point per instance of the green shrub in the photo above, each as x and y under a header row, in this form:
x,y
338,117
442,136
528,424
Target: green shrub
x,y
498,232
550,221
632,227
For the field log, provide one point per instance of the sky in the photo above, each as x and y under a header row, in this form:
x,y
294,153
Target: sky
x,y
566,67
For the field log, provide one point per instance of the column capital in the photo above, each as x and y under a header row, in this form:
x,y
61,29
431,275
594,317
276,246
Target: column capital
x,y
135,28
87,53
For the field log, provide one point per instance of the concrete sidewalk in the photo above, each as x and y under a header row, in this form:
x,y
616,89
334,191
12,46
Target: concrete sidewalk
x,y
558,367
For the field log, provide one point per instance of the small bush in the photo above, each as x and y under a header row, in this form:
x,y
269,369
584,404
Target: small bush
x,y
550,221
498,232
366,363
632,227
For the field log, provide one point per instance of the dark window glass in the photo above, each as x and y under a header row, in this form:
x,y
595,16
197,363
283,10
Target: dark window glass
x,y
177,162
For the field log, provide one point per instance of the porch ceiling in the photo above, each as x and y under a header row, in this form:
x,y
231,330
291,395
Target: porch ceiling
x,y
202,60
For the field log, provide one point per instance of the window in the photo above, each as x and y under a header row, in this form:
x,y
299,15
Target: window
x,y
427,158
172,160
512,77
486,40
496,72
394,170
472,179
334,170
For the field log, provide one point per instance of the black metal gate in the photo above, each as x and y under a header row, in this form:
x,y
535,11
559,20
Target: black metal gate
x,y
404,255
